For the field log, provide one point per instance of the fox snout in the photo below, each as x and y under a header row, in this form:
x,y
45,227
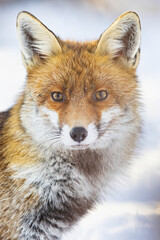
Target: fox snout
x,y
78,134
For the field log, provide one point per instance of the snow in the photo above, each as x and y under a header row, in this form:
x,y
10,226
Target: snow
x,y
132,208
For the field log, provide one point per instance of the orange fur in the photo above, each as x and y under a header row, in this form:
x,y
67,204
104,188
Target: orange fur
x,y
77,70
78,73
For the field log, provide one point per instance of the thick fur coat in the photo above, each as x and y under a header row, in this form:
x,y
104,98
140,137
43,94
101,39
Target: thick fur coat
x,y
72,130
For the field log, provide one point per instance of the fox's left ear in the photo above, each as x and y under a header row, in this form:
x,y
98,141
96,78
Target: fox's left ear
x,y
36,40
122,39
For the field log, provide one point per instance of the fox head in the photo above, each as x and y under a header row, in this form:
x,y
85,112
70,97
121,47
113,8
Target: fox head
x,y
80,95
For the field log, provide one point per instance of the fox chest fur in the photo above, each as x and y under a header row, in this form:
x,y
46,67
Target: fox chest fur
x,y
73,129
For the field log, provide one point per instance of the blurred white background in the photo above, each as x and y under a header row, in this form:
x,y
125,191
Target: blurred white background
x,y
131,209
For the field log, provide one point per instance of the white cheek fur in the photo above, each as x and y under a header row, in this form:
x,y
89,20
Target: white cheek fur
x,y
107,116
41,125
53,116
115,125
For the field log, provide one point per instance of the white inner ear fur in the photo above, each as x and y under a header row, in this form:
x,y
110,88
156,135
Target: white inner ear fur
x,y
35,38
121,38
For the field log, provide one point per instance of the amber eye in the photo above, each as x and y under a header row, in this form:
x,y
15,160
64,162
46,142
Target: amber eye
x,y
100,95
57,96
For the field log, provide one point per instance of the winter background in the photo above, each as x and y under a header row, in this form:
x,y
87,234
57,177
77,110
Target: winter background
x,y
131,209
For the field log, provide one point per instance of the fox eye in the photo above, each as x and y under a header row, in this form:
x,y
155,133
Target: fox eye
x,y
100,95
57,96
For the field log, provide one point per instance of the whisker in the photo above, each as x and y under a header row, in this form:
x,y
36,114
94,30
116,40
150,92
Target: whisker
x,y
51,138
111,126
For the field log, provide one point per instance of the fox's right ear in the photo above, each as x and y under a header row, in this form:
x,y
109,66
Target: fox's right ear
x,y
122,40
36,40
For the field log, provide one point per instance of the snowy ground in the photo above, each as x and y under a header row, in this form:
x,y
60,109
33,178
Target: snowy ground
x,y
132,209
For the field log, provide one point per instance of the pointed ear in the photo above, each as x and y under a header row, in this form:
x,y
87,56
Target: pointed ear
x,y
36,40
122,39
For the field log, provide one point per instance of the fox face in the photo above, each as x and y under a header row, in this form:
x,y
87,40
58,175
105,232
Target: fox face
x,y
80,95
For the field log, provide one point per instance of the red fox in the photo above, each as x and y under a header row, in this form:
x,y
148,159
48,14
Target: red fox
x,y
74,127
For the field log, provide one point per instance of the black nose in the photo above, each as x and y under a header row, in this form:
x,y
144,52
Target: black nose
x,y
78,134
